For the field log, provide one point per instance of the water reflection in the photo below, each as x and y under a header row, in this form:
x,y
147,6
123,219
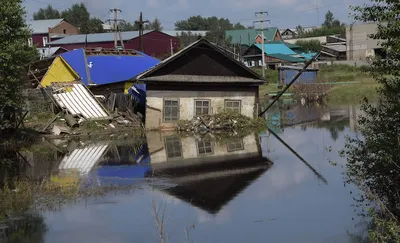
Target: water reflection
x,y
207,174
226,184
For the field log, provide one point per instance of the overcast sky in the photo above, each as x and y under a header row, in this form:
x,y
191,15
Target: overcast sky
x,y
282,13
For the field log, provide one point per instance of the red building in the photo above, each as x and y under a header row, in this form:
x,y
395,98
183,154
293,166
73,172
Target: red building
x,y
155,43
47,30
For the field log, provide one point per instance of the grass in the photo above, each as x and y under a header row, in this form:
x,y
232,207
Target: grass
x,y
353,93
344,73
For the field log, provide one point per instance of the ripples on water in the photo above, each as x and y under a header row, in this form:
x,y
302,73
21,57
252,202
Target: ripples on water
x,y
272,186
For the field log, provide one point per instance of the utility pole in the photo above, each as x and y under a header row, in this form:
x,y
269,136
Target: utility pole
x,y
141,23
262,37
318,12
115,21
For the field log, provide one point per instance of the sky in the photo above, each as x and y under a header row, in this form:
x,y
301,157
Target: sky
x,y
281,13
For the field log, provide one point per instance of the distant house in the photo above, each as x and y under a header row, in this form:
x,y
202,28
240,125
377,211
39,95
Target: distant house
x,y
360,45
288,34
155,43
248,37
46,52
45,31
275,53
201,79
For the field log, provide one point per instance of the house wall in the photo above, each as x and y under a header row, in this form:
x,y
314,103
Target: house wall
x,y
155,98
155,44
59,71
359,44
37,39
189,147
69,29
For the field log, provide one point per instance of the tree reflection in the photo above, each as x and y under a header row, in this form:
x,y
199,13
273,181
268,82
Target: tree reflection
x,y
29,229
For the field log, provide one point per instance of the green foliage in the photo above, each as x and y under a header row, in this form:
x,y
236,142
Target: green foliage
x,y
216,27
15,54
47,13
187,38
344,73
373,163
310,46
331,26
78,15
153,25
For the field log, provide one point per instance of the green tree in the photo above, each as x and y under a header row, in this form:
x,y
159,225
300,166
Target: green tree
x,y
310,46
187,38
331,26
15,54
328,19
374,161
216,27
47,13
155,25
127,26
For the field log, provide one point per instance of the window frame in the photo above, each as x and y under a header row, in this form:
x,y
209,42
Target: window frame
x,y
45,42
230,108
236,149
202,107
178,106
203,141
166,147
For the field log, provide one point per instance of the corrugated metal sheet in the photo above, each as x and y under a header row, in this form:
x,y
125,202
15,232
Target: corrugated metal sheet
x,y
276,48
83,159
77,99
42,26
307,77
93,38
248,36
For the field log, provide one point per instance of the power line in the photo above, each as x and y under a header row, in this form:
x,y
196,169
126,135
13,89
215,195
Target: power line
x,y
116,29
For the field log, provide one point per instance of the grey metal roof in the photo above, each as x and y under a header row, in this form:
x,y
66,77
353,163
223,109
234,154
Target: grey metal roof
x,y
338,48
202,79
176,32
100,37
42,26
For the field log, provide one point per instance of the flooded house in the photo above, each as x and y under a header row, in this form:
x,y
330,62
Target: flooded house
x,y
199,80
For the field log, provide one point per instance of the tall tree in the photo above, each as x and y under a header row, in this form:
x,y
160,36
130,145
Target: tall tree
x,y
331,26
156,25
47,13
14,53
216,27
374,161
328,19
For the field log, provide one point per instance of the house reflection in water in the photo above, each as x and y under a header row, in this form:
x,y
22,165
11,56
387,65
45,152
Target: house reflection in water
x,y
207,174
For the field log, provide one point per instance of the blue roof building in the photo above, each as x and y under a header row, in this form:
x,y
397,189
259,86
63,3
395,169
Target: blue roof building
x,y
108,69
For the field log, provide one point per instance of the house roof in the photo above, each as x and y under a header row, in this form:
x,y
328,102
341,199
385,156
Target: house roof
x,y
98,37
276,48
308,56
248,36
193,32
48,52
251,76
285,57
338,48
290,45
106,69
42,26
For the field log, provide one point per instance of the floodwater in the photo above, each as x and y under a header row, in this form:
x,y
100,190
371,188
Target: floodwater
x,y
275,186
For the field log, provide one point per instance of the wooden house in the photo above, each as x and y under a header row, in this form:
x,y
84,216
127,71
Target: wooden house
x,y
201,79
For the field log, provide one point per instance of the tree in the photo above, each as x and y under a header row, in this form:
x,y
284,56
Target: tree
x,y
15,54
47,13
187,38
216,27
310,46
77,15
374,161
331,26
127,26
155,25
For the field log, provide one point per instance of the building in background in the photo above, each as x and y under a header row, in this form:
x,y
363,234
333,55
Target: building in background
x,y
288,34
45,31
155,43
244,38
360,45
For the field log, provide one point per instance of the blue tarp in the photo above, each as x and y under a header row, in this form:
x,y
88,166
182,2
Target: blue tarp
x,y
138,91
76,59
108,69
118,175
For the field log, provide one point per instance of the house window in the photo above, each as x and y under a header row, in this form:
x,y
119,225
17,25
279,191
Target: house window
x,y
204,147
64,31
233,105
30,42
235,146
171,110
173,147
202,107
45,41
